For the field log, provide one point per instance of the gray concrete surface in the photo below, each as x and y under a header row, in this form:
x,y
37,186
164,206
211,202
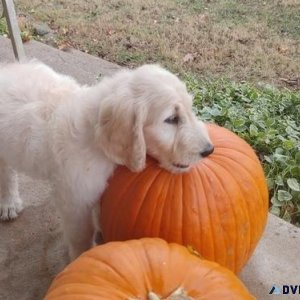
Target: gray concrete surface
x,y
276,261
31,247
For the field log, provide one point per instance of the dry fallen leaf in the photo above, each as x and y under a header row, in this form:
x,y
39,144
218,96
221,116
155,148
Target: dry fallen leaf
x,y
26,36
65,46
203,18
64,30
291,82
111,32
282,49
23,22
188,58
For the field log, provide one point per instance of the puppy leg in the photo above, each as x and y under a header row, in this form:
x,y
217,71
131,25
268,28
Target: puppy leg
x,y
77,226
10,201
98,238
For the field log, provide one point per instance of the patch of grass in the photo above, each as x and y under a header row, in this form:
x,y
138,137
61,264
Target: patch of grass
x,y
193,5
3,26
239,40
126,57
281,17
269,120
286,21
233,13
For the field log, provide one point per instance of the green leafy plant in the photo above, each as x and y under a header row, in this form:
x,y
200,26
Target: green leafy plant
x,y
3,26
269,120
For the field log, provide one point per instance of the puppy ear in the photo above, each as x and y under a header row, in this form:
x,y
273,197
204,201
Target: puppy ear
x,y
137,154
121,135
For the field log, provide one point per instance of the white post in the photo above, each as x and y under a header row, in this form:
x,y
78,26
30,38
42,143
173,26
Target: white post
x,y
14,31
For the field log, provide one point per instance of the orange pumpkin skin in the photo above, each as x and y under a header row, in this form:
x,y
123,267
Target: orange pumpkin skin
x,y
219,207
132,269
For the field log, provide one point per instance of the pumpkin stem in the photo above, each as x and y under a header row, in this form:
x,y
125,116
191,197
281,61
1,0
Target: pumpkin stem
x,y
153,296
178,294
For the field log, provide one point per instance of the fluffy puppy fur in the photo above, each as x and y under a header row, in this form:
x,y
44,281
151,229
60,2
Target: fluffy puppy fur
x,y
53,128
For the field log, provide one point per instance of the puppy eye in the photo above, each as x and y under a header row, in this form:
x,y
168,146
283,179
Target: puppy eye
x,y
172,120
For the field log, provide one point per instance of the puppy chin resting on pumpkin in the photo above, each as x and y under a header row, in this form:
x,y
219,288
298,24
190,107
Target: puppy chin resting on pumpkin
x,y
53,128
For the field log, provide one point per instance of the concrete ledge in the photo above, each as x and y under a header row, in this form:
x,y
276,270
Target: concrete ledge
x,y
85,68
31,248
275,261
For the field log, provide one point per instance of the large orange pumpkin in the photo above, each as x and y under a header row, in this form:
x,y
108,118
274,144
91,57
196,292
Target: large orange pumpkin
x,y
219,207
145,269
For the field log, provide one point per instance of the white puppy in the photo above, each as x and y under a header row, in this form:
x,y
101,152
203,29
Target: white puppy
x,y
53,128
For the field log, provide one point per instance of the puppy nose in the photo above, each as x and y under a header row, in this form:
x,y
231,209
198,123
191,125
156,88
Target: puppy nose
x,y
207,151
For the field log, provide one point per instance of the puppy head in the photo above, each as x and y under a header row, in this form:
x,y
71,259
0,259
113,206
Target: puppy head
x,y
150,111
172,133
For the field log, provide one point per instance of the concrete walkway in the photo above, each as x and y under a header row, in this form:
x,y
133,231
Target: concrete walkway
x,y
31,247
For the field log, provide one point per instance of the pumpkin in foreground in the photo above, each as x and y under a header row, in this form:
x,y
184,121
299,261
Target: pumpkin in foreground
x,y
219,207
146,269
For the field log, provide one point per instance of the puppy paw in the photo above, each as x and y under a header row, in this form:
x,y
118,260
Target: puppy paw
x,y
9,209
